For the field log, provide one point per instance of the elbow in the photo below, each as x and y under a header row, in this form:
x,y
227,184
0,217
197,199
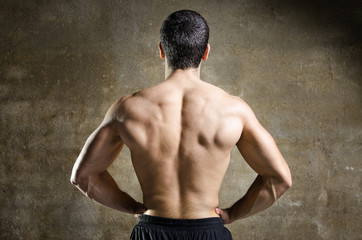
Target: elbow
x,y
75,181
288,180
281,186
79,180
81,183
284,185
74,178
288,183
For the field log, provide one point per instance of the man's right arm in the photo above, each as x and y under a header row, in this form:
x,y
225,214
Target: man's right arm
x,y
261,153
90,174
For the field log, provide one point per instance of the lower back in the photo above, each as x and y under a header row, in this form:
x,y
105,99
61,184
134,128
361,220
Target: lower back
x,y
191,206
181,188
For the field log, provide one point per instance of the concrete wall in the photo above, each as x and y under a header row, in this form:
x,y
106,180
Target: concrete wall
x,y
63,63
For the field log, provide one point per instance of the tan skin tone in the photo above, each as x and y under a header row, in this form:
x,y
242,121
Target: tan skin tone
x,y
180,134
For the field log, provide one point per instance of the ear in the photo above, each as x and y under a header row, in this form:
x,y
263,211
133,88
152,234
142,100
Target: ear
x,y
206,54
162,53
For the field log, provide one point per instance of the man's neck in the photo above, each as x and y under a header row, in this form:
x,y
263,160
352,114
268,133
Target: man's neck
x,y
190,72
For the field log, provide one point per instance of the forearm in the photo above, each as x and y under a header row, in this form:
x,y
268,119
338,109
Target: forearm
x,y
103,189
262,194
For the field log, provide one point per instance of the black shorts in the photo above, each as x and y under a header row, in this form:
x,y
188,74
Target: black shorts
x,y
158,228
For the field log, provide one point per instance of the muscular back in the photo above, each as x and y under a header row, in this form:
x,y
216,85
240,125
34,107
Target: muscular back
x,y
180,134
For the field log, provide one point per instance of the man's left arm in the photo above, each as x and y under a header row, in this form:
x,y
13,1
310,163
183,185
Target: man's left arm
x,y
90,173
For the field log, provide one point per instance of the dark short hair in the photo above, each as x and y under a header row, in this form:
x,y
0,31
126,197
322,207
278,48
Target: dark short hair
x,y
184,37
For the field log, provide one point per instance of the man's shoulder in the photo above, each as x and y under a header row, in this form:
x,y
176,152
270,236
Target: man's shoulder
x,y
137,104
237,106
126,99
231,100
223,93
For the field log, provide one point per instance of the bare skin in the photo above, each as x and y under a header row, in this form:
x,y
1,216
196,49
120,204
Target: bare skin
x,y
180,134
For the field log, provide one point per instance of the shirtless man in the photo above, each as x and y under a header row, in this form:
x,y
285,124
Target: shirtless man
x,y
180,134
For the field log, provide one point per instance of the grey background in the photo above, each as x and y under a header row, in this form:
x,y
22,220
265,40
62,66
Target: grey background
x,y
63,63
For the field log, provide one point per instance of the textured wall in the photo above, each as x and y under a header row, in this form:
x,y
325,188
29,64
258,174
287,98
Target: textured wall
x,y
63,63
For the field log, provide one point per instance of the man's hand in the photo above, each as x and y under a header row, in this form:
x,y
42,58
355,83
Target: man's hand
x,y
224,214
140,209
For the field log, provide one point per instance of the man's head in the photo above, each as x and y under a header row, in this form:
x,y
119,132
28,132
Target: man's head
x,y
184,39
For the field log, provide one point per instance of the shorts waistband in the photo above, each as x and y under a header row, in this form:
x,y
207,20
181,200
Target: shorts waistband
x,y
189,223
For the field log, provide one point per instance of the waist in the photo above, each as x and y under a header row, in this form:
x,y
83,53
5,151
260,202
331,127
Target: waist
x,y
180,223
182,213
189,207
